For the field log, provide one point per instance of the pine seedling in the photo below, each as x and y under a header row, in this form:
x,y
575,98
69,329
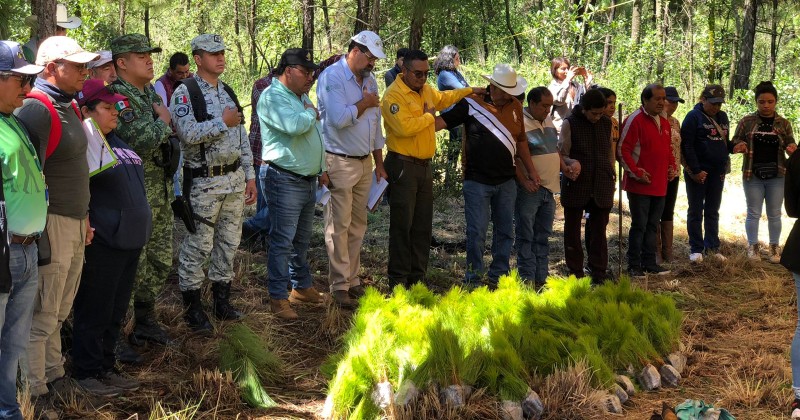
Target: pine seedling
x,y
243,353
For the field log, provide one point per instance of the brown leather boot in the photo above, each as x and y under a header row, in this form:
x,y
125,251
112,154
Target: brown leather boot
x,y
282,309
659,258
308,295
666,241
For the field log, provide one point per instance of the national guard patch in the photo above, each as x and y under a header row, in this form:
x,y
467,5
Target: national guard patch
x,y
182,110
394,109
127,115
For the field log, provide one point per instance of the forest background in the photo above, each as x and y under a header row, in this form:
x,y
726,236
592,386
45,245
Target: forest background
x,y
626,43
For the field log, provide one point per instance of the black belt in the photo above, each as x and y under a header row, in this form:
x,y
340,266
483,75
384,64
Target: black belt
x,y
362,157
216,170
288,172
416,161
24,240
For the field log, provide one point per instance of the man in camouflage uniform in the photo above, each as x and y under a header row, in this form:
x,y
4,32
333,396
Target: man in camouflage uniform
x,y
216,151
144,125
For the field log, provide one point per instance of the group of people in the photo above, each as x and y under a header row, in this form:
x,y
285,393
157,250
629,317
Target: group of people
x,y
88,245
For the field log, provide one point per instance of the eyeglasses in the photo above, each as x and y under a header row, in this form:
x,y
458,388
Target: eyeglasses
x,y
24,79
369,56
306,72
420,74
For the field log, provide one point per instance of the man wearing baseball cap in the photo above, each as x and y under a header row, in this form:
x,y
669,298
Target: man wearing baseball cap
x,y
495,154
63,22
219,181
293,149
705,146
103,68
351,128
26,210
144,126
51,117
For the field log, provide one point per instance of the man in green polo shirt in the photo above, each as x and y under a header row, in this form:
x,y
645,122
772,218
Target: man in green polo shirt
x,y
26,211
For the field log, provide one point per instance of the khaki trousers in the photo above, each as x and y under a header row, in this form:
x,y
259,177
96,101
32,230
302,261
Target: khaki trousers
x,y
346,218
58,283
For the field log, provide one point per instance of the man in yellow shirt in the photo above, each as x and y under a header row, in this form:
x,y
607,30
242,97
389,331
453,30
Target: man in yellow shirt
x,y
409,116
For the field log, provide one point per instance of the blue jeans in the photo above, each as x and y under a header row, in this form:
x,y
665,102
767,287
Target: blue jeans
x,y
479,199
757,191
534,224
259,222
794,354
704,201
291,202
16,313
646,211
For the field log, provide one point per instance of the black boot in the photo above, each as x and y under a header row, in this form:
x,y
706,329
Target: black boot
x,y
147,326
194,315
222,305
126,354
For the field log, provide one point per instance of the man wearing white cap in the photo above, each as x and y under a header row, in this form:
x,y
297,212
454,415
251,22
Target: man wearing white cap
x,y
495,138
63,22
26,209
103,68
351,129
51,117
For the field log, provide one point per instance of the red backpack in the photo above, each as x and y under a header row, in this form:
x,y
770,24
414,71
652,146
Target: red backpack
x,y
55,121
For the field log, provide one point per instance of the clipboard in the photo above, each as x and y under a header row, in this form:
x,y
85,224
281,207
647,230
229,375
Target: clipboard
x,y
99,155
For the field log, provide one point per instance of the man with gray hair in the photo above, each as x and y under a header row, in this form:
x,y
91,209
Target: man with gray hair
x,y
103,68
218,180
645,153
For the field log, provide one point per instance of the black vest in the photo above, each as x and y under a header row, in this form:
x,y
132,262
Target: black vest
x,y
591,146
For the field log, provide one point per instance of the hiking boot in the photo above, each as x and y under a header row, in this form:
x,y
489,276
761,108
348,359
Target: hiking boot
x,y
115,379
356,291
666,241
43,408
60,388
307,295
147,327
126,354
282,309
696,257
774,253
342,299
95,387
195,316
795,409
221,302
752,252
657,270
636,272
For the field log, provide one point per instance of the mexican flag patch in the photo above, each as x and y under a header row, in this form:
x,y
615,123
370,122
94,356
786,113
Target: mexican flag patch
x,y
183,99
121,105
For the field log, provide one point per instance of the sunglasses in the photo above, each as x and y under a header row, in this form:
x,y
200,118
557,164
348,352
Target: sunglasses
x,y
24,79
306,72
421,74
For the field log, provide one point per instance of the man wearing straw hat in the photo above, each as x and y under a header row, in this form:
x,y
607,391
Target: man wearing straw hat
x,y
495,138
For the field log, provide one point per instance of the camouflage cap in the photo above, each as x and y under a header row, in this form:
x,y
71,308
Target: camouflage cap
x,y
208,42
137,43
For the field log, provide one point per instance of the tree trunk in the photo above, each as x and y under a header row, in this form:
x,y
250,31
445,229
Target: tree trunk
x,y
607,42
308,26
122,13
236,19
375,19
517,44
417,20
362,15
712,29
327,25
737,22
147,21
251,32
636,23
745,64
773,45
45,11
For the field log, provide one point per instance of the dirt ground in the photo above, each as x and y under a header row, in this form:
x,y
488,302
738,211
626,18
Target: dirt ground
x,y
739,320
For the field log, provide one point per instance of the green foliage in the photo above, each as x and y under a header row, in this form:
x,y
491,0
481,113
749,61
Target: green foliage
x,y
501,340
245,354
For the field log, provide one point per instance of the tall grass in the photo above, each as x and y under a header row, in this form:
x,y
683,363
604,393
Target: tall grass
x,y
504,340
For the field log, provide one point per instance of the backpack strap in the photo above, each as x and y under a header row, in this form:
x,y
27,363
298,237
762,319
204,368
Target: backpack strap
x,y
197,99
55,121
233,96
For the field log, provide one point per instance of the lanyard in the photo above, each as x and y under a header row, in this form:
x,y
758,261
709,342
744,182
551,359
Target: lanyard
x,y
19,132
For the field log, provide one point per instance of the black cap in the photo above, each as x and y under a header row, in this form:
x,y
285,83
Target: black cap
x,y
672,94
298,57
714,94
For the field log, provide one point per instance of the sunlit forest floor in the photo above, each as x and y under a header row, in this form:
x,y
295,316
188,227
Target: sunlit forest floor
x,y
739,320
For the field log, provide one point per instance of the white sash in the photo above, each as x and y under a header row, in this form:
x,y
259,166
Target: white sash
x,y
488,120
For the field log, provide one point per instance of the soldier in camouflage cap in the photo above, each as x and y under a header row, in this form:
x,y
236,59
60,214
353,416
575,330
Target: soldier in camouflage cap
x,y
144,123
217,155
